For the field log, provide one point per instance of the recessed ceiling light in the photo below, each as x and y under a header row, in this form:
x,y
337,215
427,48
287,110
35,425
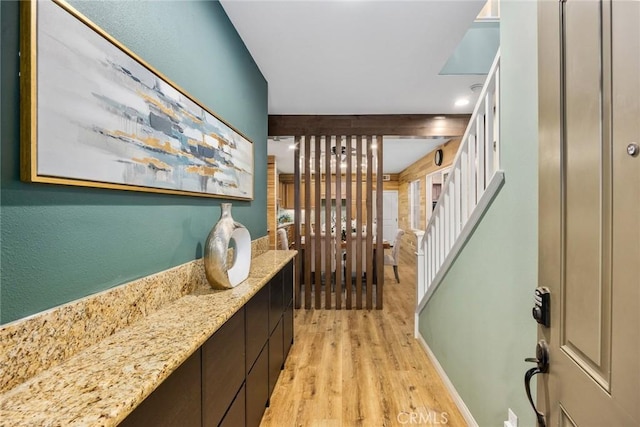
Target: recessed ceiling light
x,y
461,102
292,146
440,117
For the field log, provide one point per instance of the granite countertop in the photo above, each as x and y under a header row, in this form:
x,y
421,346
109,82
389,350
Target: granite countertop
x,y
101,385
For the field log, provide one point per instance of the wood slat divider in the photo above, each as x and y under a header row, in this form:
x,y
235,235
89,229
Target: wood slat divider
x,y
316,231
297,222
369,238
338,223
349,216
359,222
379,232
328,239
360,257
307,222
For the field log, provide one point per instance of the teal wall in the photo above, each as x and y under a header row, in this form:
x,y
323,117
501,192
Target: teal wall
x,y
62,243
478,322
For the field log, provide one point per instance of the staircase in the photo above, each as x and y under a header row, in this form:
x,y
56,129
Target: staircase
x,y
473,182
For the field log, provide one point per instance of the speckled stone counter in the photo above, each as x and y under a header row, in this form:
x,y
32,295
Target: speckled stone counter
x,y
102,384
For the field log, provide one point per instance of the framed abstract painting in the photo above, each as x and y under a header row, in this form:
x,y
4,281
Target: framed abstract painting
x,y
94,114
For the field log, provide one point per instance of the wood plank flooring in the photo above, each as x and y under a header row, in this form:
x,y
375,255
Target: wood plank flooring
x,y
361,368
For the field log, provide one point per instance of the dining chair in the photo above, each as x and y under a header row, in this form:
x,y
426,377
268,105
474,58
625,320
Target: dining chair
x,y
355,242
283,240
394,258
323,255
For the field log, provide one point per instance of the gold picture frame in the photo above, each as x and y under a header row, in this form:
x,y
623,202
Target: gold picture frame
x,y
94,114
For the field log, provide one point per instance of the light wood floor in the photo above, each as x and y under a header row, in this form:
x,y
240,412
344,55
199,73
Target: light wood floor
x,y
361,368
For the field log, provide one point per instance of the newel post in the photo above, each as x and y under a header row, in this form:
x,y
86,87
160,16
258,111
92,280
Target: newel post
x,y
420,273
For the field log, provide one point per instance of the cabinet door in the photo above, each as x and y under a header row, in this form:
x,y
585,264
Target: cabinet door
x,y
276,300
287,283
257,325
287,317
287,330
258,388
223,369
290,196
236,416
175,403
276,357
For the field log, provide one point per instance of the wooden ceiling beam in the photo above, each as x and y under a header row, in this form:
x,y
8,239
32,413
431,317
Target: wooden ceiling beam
x,y
432,125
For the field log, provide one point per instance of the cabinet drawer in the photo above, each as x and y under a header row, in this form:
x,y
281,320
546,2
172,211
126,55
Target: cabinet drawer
x,y
287,330
276,358
235,416
223,368
276,301
287,283
175,403
257,325
258,389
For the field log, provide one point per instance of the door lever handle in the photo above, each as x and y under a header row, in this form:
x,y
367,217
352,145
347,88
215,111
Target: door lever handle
x,y
542,362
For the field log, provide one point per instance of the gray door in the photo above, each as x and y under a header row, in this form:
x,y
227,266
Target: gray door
x,y
589,242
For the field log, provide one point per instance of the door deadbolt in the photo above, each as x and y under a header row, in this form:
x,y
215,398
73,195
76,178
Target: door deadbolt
x,y
633,149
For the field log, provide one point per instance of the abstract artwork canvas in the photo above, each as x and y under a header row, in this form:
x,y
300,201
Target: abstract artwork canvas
x,y
97,115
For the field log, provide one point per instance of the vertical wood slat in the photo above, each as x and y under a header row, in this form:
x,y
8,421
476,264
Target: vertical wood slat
x,y
328,238
359,222
369,239
307,222
316,227
379,232
297,220
338,238
349,252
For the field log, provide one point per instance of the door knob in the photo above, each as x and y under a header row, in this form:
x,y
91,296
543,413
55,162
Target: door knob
x,y
542,362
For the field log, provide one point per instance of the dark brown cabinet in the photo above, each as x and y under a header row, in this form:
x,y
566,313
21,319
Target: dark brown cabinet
x,y
175,403
258,388
287,316
223,369
236,416
228,381
257,326
276,355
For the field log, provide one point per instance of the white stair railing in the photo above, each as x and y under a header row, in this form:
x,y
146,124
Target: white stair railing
x,y
473,182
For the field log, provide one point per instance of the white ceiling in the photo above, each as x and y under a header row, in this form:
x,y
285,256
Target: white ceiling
x,y
398,153
357,57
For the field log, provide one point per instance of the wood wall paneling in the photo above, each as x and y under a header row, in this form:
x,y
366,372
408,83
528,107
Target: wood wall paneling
x,y
272,196
419,170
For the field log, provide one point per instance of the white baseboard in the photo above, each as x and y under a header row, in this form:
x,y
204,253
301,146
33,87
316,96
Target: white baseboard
x,y
462,407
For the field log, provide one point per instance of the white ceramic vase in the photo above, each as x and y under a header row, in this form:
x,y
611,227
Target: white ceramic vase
x,y
219,274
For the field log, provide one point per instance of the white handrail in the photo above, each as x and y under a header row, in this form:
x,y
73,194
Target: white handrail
x,y
474,180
